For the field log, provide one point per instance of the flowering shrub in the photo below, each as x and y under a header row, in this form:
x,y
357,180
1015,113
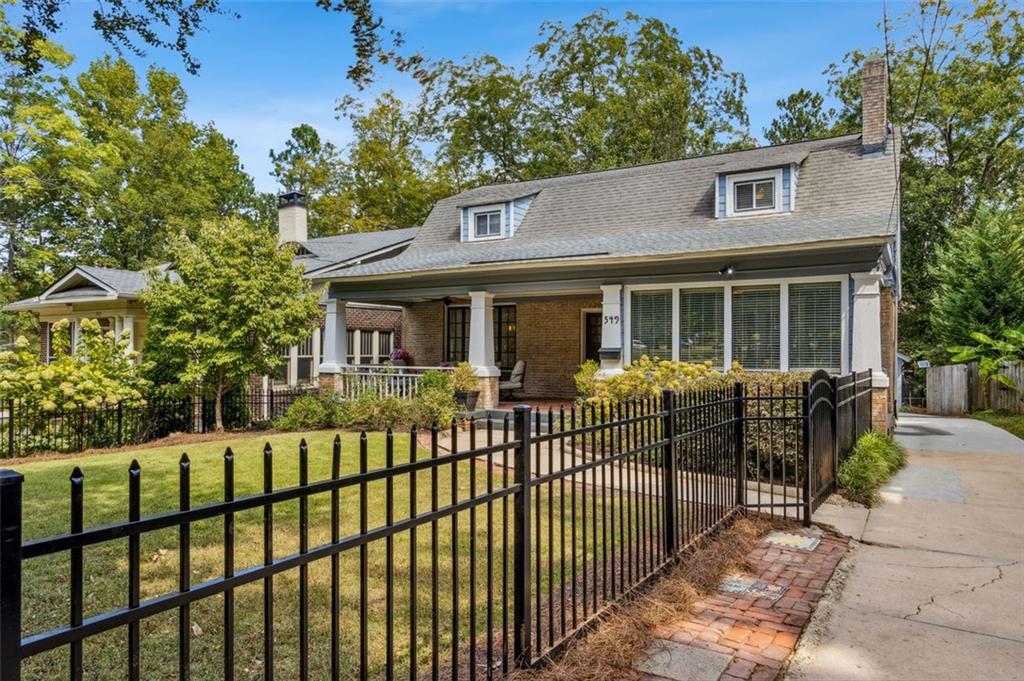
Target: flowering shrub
x,y
101,372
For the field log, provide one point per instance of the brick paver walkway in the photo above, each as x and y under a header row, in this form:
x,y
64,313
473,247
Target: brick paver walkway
x,y
759,635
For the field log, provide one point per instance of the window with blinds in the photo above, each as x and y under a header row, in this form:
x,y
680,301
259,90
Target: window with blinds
x,y
366,347
815,322
651,324
755,327
702,325
384,346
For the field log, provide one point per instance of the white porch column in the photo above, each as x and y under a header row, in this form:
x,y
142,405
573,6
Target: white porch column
x,y
611,330
128,324
481,333
867,327
335,338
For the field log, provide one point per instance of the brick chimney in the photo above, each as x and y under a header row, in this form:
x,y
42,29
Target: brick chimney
x,y
874,121
291,218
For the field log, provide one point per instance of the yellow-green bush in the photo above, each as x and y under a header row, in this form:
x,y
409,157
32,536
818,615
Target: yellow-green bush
x,y
647,377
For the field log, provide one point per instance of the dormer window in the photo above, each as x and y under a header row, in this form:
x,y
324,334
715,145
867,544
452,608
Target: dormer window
x,y
486,222
754,195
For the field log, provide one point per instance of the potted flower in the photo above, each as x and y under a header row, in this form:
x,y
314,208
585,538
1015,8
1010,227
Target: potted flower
x,y
400,357
465,386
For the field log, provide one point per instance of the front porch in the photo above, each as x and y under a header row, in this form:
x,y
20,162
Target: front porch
x,y
552,335
786,321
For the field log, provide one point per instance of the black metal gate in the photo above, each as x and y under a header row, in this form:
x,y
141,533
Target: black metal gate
x,y
820,433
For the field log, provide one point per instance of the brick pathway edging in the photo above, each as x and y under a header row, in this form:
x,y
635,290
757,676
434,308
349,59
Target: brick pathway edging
x,y
760,635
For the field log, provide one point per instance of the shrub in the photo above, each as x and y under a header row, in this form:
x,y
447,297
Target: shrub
x,y
369,412
647,378
309,412
464,378
586,378
875,457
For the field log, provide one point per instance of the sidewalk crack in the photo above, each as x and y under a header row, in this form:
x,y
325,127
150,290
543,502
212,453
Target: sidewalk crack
x,y
932,599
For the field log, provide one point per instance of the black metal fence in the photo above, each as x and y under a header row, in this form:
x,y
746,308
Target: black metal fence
x,y
492,552
27,429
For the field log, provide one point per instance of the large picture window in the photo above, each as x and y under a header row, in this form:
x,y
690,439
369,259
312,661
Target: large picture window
x,y
755,327
702,325
651,324
815,324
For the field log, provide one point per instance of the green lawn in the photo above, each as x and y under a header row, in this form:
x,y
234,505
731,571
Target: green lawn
x,y
1011,423
46,588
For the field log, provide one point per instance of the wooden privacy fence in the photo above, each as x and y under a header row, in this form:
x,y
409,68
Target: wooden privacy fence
x,y
464,563
956,389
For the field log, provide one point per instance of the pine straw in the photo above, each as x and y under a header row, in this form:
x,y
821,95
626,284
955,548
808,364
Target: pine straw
x,y
611,650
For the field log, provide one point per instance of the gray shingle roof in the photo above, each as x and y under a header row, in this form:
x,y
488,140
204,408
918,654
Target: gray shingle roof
x,y
333,250
664,209
123,282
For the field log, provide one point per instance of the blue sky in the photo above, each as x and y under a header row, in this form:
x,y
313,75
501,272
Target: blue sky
x,y
283,62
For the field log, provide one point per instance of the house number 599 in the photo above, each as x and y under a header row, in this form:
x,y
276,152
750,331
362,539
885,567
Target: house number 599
x,y
611,319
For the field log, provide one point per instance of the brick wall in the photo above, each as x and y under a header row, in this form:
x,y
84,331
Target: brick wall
x,y
375,319
423,333
548,337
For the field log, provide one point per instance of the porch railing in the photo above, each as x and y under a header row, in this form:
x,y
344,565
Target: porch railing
x,y
382,380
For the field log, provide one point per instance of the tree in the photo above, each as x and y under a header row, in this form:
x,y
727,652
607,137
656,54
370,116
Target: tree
x,y
171,24
597,94
802,116
391,183
957,95
613,93
994,354
166,174
233,301
44,162
978,274
316,168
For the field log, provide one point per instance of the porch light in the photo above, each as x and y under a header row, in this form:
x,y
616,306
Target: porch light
x,y
727,271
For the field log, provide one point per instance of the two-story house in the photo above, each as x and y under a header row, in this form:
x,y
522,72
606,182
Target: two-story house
x,y
780,258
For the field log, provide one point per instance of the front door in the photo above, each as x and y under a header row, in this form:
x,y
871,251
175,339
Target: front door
x,y
591,335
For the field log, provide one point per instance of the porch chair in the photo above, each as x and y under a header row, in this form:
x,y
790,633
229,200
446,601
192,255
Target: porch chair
x,y
515,379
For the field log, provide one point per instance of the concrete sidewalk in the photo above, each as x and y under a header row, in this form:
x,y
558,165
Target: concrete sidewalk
x,y
935,587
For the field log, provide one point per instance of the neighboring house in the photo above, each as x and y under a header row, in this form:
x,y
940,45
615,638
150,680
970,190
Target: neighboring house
x,y
782,257
113,297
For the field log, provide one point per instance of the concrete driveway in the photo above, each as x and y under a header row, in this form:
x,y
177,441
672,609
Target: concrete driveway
x,y
935,587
